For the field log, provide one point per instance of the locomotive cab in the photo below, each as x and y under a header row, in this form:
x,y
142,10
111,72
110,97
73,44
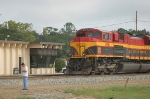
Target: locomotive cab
x,y
81,44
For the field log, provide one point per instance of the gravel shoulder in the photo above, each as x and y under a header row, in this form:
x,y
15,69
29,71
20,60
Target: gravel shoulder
x,y
51,88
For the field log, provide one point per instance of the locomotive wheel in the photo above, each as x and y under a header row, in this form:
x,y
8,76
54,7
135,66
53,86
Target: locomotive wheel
x,y
92,73
111,73
148,72
102,73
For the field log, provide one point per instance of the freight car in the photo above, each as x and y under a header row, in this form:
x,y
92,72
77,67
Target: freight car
x,y
95,51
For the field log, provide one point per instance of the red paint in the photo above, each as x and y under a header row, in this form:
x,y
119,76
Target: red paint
x,y
115,37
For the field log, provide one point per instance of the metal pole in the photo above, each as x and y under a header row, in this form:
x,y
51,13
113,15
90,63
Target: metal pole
x,y
136,22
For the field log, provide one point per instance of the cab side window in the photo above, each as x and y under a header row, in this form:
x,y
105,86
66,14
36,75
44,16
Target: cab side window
x,y
121,36
93,34
106,36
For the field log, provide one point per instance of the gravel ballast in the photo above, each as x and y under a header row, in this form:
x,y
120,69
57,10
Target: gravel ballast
x,y
76,80
47,88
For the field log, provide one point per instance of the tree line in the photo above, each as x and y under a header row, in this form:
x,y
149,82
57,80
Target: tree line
x,y
18,31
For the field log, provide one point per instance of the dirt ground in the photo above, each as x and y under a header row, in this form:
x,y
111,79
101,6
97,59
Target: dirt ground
x,y
9,92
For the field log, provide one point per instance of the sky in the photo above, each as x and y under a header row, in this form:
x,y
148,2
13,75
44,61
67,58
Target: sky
x,y
101,14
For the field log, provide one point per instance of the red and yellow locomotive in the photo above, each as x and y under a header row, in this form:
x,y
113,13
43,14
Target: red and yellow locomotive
x,y
95,51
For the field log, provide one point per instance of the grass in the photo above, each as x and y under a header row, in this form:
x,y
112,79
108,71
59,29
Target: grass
x,y
25,98
134,92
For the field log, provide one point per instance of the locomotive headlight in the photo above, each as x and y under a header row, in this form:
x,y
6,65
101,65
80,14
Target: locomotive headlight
x,y
83,54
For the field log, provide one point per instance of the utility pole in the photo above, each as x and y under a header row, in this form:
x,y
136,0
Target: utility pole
x,y
136,22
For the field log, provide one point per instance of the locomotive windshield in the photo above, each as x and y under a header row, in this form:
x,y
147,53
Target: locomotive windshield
x,y
89,34
81,35
93,34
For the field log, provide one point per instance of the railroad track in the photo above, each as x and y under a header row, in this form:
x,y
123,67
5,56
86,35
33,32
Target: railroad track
x,y
59,76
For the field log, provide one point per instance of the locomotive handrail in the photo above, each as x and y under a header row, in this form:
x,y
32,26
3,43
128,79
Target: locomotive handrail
x,y
91,51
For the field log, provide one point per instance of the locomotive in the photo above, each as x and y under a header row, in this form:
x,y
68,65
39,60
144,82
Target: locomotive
x,y
93,51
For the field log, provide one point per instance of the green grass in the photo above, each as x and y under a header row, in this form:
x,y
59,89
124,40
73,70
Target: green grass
x,y
25,98
134,92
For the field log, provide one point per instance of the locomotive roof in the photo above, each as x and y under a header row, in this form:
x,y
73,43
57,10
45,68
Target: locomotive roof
x,y
137,38
93,29
88,29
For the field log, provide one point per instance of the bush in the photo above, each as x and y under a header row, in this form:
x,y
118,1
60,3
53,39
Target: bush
x,y
59,64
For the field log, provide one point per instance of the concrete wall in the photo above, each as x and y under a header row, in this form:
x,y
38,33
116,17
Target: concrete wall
x,y
9,57
42,71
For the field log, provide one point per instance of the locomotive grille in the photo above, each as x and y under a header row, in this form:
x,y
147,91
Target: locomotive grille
x,y
118,50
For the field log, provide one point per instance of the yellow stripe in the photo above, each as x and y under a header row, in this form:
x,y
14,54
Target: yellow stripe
x,y
89,44
81,46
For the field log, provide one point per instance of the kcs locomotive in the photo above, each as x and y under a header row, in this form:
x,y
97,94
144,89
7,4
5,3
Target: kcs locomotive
x,y
93,51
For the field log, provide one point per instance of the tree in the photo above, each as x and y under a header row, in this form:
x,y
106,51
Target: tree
x,y
62,30
122,30
18,31
59,64
49,33
69,27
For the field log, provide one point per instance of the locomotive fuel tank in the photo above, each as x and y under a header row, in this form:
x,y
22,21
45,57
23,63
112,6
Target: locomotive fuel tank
x,y
133,67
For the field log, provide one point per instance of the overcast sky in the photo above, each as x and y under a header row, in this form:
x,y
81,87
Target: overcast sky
x,y
101,14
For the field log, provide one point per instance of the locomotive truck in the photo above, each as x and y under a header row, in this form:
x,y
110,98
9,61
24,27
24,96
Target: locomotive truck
x,y
93,51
